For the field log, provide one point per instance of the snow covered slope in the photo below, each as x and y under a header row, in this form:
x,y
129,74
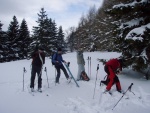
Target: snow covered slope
x,y
67,98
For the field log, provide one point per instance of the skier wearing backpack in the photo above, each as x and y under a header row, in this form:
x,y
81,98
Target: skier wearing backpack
x,y
57,61
38,59
113,67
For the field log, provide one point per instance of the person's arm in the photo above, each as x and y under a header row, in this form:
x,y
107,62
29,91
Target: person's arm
x,y
33,55
83,59
62,60
119,69
43,57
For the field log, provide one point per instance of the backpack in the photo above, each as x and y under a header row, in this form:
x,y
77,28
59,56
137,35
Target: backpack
x,y
52,57
84,76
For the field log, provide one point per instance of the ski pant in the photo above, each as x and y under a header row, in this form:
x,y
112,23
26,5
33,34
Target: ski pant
x,y
80,69
38,70
58,72
111,78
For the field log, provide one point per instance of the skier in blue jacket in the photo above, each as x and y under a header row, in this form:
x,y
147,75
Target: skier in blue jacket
x,y
57,60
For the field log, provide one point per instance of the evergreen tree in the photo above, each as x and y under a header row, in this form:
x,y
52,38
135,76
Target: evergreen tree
x,y
54,34
23,40
45,34
13,33
39,31
70,38
61,42
133,26
2,44
91,29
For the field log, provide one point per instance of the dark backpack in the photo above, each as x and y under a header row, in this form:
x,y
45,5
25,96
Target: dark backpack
x,y
84,76
52,57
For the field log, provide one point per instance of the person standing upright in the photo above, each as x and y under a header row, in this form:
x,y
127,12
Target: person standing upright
x,y
81,63
38,59
57,60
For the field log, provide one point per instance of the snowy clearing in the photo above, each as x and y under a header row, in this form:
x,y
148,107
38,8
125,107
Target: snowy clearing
x,y
67,98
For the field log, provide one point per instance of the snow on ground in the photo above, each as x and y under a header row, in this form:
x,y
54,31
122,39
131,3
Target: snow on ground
x,y
67,98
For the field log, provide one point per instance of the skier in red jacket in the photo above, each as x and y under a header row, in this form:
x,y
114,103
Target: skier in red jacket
x,y
112,68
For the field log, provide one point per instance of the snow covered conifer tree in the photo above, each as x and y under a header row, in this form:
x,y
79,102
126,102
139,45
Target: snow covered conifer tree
x,y
23,40
2,44
45,34
13,33
61,41
132,31
39,31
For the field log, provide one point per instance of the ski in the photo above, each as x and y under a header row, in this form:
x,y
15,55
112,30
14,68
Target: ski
x,y
32,93
71,74
109,92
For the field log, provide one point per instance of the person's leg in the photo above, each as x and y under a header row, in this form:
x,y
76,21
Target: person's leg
x,y
117,82
106,78
33,74
39,71
58,74
79,72
111,78
65,71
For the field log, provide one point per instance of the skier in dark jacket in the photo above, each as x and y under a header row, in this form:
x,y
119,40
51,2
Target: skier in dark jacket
x,y
38,59
57,60
113,67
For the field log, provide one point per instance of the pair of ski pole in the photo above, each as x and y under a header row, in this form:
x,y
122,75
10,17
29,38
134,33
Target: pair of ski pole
x,y
24,71
129,89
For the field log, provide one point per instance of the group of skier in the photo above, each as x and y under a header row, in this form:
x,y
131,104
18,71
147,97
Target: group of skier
x,y
113,67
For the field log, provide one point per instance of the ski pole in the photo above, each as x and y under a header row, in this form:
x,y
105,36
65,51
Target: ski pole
x,y
90,67
46,76
129,88
55,76
24,71
147,74
96,80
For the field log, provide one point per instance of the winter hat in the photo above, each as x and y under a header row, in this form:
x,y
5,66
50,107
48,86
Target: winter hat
x,y
59,49
40,48
122,61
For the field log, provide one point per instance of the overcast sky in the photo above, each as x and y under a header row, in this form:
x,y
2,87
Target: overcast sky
x,y
65,12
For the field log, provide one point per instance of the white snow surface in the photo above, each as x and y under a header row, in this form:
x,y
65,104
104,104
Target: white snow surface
x,y
68,98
